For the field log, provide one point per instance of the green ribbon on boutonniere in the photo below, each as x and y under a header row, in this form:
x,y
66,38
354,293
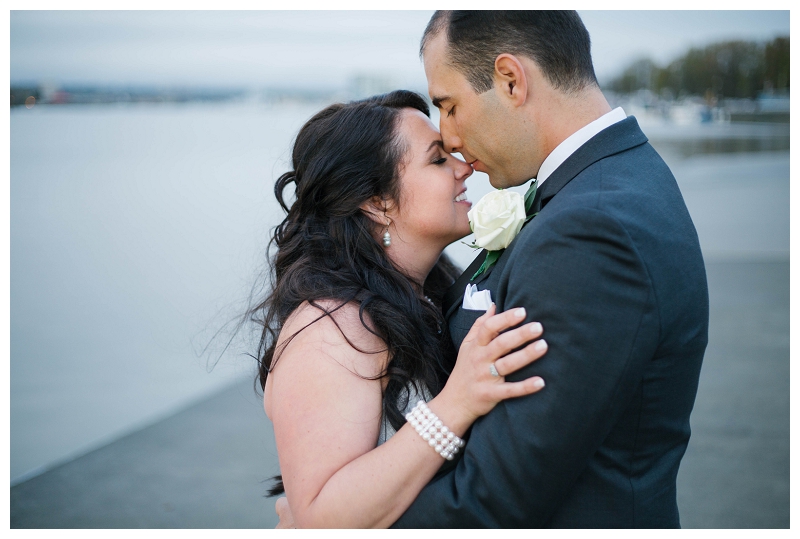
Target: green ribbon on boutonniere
x,y
530,195
488,262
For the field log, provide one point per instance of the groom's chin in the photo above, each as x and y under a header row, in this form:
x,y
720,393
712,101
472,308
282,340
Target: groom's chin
x,y
496,181
499,182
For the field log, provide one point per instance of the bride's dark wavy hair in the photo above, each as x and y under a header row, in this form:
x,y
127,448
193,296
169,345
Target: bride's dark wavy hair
x,y
326,248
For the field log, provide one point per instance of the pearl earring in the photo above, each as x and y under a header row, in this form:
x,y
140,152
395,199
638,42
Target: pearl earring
x,y
387,238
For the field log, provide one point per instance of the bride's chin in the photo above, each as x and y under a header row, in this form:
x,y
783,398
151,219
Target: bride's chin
x,y
458,232
461,233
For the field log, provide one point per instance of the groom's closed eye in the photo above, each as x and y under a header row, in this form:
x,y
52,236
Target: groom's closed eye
x,y
437,101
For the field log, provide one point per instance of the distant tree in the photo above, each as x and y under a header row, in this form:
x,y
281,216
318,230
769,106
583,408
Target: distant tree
x,y
776,56
640,74
731,69
728,69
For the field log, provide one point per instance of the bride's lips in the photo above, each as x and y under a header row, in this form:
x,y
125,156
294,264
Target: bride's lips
x,y
463,198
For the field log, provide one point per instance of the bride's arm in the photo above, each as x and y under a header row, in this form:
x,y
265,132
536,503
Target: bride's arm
x,y
326,413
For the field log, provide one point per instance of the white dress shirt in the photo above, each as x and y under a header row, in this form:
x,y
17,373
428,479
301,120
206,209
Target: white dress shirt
x,y
575,141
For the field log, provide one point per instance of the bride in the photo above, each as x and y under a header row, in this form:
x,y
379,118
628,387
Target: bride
x,y
352,334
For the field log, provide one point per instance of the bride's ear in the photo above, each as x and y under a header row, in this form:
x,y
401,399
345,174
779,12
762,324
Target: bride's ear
x,y
375,208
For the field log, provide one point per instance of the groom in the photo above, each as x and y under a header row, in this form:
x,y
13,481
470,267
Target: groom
x,y
610,265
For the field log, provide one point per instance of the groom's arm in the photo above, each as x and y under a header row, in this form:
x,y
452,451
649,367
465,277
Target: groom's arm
x,y
580,275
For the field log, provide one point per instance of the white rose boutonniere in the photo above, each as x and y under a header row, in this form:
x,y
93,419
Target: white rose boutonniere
x,y
496,220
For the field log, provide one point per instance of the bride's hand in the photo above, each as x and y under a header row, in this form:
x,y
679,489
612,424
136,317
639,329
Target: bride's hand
x,y
473,389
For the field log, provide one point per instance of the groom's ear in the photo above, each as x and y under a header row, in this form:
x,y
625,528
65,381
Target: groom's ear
x,y
513,81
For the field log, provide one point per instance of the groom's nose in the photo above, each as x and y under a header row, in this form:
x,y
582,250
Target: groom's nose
x,y
450,139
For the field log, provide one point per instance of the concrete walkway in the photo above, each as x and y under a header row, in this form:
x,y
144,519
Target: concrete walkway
x,y
206,466
736,470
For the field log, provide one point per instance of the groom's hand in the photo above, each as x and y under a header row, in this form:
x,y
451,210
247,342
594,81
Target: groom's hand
x,y
284,514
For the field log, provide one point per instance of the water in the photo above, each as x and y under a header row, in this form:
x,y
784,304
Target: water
x,y
137,230
134,233
739,203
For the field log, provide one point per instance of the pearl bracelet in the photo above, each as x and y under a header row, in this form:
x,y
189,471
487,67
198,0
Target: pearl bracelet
x,y
439,437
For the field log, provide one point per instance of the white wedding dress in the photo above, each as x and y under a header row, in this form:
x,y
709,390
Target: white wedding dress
x,y
387,431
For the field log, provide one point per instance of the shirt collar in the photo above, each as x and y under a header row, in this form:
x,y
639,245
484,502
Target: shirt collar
x,y
575,141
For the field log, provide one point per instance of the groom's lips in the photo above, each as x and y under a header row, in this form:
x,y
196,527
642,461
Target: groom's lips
x,y
475,164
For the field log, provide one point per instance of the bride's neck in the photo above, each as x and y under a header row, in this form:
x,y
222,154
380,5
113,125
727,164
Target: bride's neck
x,y
413,261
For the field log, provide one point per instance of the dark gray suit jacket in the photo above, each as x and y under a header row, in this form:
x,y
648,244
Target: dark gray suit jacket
x,y
612,268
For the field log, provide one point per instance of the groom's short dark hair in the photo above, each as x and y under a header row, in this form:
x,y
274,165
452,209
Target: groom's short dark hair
x,y
556,40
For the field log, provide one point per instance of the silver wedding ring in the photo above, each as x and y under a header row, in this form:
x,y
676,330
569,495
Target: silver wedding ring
x,y
493,370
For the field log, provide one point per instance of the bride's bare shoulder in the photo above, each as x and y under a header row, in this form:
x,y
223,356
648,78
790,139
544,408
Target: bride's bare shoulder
x,y
328,329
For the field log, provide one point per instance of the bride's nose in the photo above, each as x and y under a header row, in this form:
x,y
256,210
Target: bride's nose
x,y
463,170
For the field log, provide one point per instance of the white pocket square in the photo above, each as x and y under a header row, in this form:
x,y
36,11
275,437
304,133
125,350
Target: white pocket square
x,y
476,300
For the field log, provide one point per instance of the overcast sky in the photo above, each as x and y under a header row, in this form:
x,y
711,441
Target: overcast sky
x,y
307,48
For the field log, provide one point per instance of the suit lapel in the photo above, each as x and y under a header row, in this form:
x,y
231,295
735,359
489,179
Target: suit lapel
x,y
455,293
614,139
